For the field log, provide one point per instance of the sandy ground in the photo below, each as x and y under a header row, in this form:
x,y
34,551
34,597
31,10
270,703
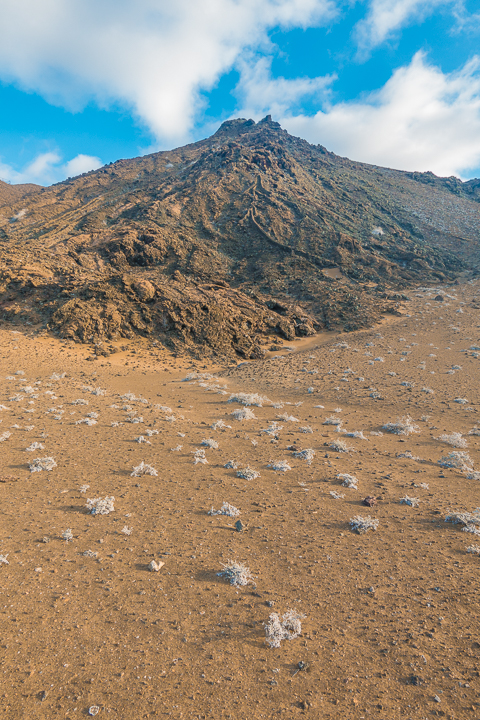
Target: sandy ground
x,y
391,623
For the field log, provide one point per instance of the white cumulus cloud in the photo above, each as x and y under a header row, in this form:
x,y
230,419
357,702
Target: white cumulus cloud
x,y
258,89
385,17
155,57
421,119
48,168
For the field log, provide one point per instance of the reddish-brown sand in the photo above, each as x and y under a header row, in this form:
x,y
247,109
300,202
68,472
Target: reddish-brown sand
x,y
391,627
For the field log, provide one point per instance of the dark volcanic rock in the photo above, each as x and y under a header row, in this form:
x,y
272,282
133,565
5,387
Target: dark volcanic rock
x,y
221,245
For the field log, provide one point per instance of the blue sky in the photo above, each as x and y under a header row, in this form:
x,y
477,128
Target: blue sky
x,y
389,82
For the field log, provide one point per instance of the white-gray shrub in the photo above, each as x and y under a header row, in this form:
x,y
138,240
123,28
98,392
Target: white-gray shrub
x,y
143,469
100,506
249,399
248,473
308,454
280,466
348,480
361,524
403,426
236,573
39,464
407,500
288,627
455,439
226,509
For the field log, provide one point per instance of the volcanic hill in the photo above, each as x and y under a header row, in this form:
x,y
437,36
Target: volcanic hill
x,y
227,244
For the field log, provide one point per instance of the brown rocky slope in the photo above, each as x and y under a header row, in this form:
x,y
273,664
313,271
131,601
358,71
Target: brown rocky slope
x,y
226,244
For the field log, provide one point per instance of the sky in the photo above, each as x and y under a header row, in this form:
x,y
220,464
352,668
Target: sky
x,y
83,83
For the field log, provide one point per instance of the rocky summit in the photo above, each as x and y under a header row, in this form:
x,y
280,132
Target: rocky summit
x,y
228,244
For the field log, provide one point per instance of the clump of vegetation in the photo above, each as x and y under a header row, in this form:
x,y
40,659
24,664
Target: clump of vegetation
x,y
212,444
458,459
249,399
143,469
332,420
248,473
308,454
226,509
407,500
280,466
465,518
349,481
362,525
287,418
231,465
455,439
243,414
403,426
155,566
199,457
35,446
101,506
5,435
220,425
288,627
39,464
340,446
236,573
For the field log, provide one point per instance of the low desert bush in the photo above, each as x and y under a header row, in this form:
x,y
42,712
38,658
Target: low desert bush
x,y
340,446
361,524
288,627
199,457
287,418
100,506
407,500
332,420
273,429
226,509
455,439
280,466
220,425
464,518
248,473
403,426
236,573
458,459
212,444
143,469
243,414
349,481
249,399
35,446
39,464
308,454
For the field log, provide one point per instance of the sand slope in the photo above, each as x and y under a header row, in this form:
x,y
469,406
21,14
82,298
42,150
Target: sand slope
x,y
391,625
